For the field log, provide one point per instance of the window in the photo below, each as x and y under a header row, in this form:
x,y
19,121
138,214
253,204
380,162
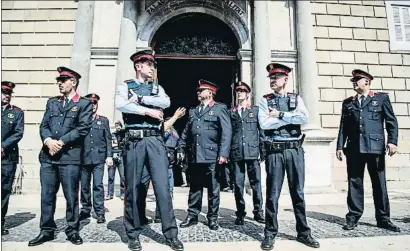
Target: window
x,y
398,18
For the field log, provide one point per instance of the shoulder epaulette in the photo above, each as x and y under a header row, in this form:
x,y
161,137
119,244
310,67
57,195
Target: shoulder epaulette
x,y
268,95
349,99
16,108
129,80
292,94
381,93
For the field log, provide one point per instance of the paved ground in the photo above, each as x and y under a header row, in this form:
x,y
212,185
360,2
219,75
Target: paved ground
x,y
325,215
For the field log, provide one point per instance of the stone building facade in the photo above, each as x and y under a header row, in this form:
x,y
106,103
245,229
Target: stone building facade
x,y
321,40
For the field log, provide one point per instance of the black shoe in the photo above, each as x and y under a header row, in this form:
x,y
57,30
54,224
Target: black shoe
x,y
239,220
189,221
388,225
259,218
308,241
350,225
175,244
109,197
213,224
145,221
40,239
100,219
157,220
84,216
4,231
134,244
75,239
267,243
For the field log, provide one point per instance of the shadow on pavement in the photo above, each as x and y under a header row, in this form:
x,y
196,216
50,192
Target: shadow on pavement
x,y
17,219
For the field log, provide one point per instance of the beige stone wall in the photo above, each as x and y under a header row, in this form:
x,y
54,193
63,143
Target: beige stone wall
x,y
354,34
36,38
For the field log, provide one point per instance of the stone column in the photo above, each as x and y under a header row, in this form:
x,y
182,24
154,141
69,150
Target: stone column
x,y
261,58
81,51
126,47
317,144
261,49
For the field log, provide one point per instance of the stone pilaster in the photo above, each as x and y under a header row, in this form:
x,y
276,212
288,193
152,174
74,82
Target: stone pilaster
x,y
81,51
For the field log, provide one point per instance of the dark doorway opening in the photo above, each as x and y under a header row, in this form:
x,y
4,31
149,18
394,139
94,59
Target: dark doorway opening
x,y
191,47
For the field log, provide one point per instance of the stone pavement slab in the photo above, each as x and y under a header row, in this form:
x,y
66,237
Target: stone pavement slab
x,y
325,214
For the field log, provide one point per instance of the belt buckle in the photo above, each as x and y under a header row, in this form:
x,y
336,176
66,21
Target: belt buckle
x,y
139,133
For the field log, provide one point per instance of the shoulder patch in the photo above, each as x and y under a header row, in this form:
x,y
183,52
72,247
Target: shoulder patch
x,y
16,108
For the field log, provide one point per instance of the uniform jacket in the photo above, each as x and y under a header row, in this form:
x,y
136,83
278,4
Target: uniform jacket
x,y
247,135
362,128
97,143
12,129
70,125
207,135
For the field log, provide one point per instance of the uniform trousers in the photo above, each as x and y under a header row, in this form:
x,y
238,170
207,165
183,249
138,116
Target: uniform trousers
x,y
291,162
204,175
51,176
356,163
254,174
149,152
118,164
8,172
97,172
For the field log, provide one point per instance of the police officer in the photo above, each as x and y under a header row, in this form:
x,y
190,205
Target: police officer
x,y
117,151
362,130
142,103
12,129
206,139
97,151
246,148
66,121
171,138
281,115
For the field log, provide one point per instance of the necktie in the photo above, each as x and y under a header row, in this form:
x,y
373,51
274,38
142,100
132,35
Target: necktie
x,y
242,112
201,108
362,98
65,101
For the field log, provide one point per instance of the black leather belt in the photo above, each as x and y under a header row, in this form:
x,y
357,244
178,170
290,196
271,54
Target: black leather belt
x,y
133,134
276,146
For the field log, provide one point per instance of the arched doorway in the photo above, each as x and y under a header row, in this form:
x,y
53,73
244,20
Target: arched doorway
x,y
195,46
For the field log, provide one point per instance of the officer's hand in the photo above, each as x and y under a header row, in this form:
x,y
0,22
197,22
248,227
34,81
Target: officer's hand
x,y
222,160
180,156
109,162
392,149
134,97
180,112
2,152
53,146
274,113
158,114
339,155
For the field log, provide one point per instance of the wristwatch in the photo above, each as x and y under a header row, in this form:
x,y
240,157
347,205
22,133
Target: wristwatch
x,y
139,98
281,115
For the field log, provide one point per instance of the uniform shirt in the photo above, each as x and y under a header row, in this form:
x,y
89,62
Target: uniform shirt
x,y
97,143
12,130
299,116
361,127
207,134
70,124
124,105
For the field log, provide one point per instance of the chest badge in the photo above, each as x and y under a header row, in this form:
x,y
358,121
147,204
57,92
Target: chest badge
x,y
98,122
211,113
251,115
10,115
74,109
374,103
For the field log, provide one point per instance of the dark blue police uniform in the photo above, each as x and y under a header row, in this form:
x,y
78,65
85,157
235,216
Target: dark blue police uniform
x,y
68,120
12,129
246,147
97,148
171,138
145,147
207,136
284,154
361,137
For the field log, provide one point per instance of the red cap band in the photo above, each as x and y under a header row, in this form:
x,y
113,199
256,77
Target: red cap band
x,y
210,87
149,57
278,70
66,73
